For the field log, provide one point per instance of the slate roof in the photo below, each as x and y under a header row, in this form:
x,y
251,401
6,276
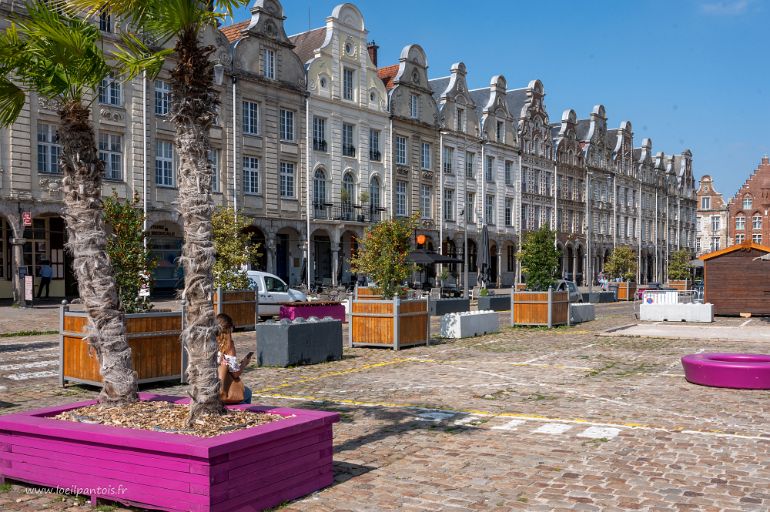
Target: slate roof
x,y
438,85
387,74
306,43
233,32
612,138
480,97
637,154
516,98
555,129
583,125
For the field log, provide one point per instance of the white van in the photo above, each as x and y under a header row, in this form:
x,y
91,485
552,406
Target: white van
x,y
273,292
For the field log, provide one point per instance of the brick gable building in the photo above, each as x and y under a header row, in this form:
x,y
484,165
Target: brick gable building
x,y
749,208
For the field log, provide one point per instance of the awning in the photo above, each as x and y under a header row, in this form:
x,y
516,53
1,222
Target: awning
x,y
423,257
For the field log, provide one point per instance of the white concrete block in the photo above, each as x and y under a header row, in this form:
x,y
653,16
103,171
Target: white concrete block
x,y
579,313
552,428
703,313
467,324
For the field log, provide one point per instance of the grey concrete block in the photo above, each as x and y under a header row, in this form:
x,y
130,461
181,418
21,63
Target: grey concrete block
x,y
303,341
579,313
599,297
443,306
495,303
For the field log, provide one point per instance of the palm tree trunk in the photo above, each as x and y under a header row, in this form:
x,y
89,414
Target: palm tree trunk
x,y
83,212
193,111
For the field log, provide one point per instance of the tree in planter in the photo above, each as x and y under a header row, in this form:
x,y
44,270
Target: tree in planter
x,y
131,260
58,56
234,249
193,110
679,265
539,259
383,254
621,263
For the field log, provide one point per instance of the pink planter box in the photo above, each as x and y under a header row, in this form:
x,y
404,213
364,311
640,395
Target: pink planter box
x,y
250,469
304,310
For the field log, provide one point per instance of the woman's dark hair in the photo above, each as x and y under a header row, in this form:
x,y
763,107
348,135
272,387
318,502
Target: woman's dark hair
x,y
225,323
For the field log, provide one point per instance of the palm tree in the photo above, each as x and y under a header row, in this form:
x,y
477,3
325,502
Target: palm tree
x,y
58,57
193,105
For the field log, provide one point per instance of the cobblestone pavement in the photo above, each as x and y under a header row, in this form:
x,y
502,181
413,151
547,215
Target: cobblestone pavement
x,y
527,419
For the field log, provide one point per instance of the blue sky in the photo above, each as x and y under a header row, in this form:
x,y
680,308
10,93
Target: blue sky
x,y
687,73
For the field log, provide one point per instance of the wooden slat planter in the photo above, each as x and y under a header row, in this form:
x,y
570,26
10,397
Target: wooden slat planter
x,y
241,305
317,309
625,290
154,338
536,308
250,469
679,284
367,293
389,323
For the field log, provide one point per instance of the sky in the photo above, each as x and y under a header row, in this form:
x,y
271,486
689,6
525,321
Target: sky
x,y
689,74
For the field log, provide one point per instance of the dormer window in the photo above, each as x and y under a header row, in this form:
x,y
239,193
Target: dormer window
x,y
347,84
500,132
460,119
105,22
414,106
268,57
348,48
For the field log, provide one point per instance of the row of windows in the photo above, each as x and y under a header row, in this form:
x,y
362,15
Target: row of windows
x,y
402,155
348,139
740,222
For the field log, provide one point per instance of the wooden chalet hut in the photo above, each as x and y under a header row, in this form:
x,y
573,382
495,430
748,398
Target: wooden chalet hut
x,y
736,280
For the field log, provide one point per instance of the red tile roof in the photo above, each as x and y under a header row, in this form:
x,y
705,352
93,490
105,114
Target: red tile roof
x,y
233,32
306,43
387,74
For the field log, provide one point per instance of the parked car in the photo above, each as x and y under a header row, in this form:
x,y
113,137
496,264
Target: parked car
x,y
273,292
571,287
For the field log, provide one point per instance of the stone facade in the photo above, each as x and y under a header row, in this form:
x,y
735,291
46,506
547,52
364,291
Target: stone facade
x,y
313,145
711,219
749,208
349,156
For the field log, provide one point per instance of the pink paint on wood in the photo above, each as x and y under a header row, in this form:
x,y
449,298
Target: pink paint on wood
x,y
289,458
307,309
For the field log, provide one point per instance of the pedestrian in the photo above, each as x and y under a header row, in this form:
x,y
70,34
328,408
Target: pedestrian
x,y
229,367
46,272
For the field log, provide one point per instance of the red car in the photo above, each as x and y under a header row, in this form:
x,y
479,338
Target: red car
x,y
644,287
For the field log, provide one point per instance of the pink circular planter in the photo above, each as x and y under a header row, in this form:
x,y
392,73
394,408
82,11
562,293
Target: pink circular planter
x,y
740,371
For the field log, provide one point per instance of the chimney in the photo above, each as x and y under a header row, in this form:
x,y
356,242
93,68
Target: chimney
x,y
372,47
765,160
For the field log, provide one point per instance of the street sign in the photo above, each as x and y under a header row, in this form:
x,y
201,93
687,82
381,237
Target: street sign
x,y
29,288
26,217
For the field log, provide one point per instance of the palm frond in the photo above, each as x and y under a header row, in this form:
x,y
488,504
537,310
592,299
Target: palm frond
x,y
12,99
135,56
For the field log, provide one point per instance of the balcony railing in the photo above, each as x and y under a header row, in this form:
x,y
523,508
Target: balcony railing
x,y
374,155
348,150
319,145
366,212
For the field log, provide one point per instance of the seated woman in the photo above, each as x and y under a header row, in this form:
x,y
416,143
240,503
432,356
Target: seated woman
x,y
226,355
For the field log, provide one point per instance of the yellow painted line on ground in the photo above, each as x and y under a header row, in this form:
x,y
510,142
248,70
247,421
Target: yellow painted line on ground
x,y
523,416
336,374
514,363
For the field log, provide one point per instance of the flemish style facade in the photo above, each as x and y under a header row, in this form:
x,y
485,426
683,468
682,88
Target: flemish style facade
x,y
711,219
749,208
314,144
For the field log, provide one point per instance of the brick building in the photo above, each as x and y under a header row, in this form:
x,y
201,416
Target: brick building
x,y
749,208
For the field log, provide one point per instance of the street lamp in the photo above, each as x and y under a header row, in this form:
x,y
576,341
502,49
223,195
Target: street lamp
x,y
465,251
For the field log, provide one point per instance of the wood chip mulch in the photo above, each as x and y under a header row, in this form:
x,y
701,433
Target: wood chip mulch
x,y
161,416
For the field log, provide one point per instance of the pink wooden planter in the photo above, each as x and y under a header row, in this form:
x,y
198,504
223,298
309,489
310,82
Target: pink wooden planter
x,y
306,310
250,469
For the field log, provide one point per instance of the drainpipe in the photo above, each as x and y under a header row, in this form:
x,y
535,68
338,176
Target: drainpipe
x,y
308,187
144,156
235,148
392,170
441,195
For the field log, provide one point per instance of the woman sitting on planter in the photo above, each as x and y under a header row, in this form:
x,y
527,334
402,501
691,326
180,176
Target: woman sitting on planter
x,y
230,384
